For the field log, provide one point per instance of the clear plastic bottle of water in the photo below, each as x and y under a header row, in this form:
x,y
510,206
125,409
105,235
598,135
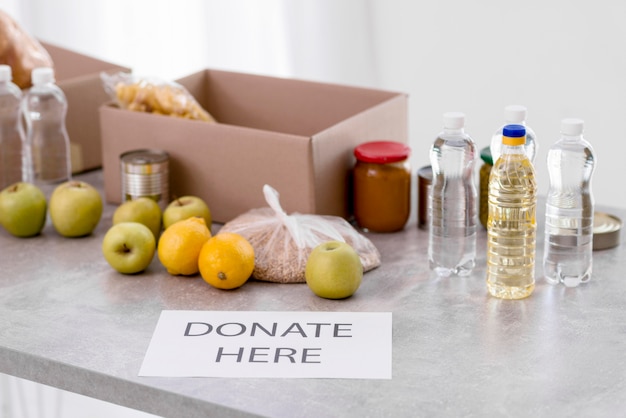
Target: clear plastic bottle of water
x,y
512,223
452,209
568,240
45,107
514,115
11,132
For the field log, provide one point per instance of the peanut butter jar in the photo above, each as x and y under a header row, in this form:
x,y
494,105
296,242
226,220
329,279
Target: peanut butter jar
x,y
382,186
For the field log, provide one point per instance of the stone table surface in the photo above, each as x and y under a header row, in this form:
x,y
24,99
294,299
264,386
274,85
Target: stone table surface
x,y
68,320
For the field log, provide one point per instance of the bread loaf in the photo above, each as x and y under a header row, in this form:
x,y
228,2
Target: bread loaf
x,y
20,51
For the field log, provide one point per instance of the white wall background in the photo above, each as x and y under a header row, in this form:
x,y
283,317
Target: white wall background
x,y
560,58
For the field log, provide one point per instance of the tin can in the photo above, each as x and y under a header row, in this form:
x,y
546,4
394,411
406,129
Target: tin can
x,y
424,181
606,230
145,173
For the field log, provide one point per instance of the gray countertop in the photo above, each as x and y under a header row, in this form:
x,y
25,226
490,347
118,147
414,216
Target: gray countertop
x,y
68,320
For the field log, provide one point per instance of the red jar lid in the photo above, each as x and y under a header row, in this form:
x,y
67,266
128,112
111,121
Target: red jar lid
x,y
382,152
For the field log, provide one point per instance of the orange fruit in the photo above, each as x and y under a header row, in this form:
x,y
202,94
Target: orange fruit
x,y
226,261
180,244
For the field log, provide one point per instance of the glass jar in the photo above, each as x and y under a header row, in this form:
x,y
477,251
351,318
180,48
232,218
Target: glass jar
x,y
382,186
485,171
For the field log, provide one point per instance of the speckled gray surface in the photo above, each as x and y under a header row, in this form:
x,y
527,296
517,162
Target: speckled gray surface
x,y
68,320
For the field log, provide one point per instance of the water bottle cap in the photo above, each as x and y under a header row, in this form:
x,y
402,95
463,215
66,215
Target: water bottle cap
x,y
382,152
514,135
5,73
453,120
42,75
572,126
515,113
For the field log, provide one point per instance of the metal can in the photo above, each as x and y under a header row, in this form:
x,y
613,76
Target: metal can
x,y
145,173
424,181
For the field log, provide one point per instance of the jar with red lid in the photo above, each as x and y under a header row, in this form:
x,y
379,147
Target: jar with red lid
x,y
382,186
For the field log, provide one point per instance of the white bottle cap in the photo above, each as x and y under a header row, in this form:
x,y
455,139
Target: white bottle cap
x,y
453,120
5,73
572,126
515,113
42,75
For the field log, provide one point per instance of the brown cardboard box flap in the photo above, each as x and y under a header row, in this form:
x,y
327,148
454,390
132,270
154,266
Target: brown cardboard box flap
x,y
296,136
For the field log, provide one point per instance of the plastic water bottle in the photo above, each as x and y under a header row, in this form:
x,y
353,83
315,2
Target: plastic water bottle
x,y
514,115
512,223
452,209
11,133
45,107
569,208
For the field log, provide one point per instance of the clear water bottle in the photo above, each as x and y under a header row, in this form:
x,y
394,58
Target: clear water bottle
x,y
11,132
569,208
452,209
512,223
514,115
44,107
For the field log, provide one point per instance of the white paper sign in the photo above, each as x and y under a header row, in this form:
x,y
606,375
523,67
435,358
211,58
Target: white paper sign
x,y
270,344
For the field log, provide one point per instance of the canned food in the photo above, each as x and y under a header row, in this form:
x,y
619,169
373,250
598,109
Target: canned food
x,y
145,173
424,181
606,230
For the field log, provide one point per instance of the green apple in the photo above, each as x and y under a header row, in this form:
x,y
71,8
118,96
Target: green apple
x,y
129,247
186,207
143,210
333,270
22,209
75,208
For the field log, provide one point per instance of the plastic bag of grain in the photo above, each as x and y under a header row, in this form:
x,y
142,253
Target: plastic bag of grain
x,y
282,243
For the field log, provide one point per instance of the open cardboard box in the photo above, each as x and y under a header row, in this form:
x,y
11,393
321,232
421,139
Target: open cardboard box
x,y
79,77
297,136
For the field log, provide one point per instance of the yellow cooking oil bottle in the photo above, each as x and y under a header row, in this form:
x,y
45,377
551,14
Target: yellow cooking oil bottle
x,y
512,221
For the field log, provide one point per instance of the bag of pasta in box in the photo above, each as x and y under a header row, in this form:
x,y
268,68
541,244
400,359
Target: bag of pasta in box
x,y
282,243
153,95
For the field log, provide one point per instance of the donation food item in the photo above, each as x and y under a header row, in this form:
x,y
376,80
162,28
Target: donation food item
x,y
129,247
144,210
186,207
282,243
75,208
23,209
20,51
153,96
334,270
226,261
382,185
180,244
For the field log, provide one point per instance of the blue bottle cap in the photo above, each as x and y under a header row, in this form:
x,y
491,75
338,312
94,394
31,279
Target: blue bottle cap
x,y
514,131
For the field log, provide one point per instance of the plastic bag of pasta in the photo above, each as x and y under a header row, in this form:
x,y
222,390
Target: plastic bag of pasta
x,y
282,243
20,51
153,95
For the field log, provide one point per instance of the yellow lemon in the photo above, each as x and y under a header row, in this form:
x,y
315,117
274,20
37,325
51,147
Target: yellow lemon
x,y
180,245
226,261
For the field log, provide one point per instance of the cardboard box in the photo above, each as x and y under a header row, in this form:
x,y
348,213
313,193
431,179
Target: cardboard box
x,y
79,77
297,136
